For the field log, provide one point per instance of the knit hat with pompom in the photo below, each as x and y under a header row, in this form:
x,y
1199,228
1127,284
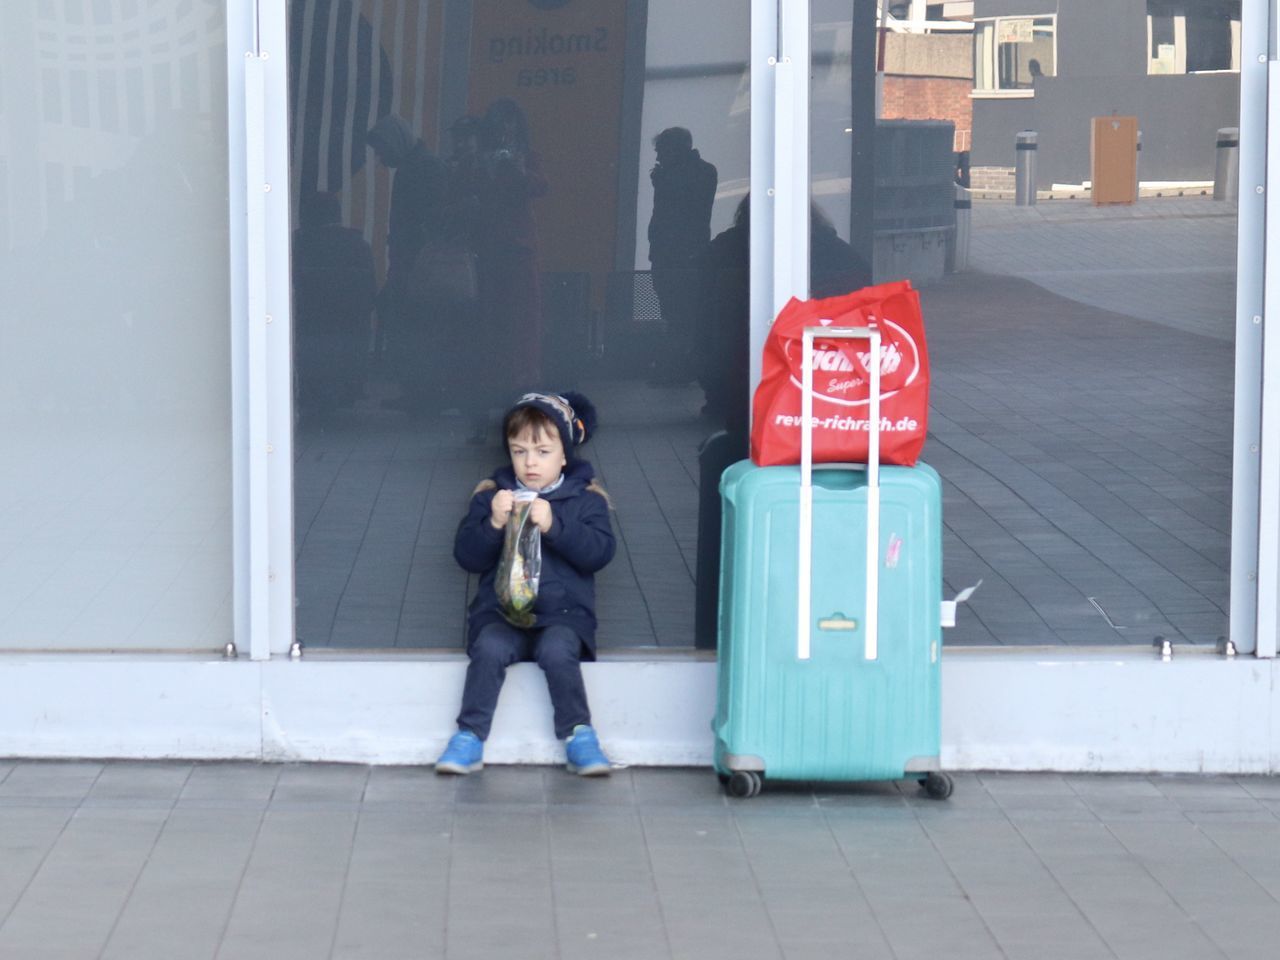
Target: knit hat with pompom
x,y
572,413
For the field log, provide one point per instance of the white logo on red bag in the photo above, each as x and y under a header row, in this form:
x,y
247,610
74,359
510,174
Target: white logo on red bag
x,y
838,379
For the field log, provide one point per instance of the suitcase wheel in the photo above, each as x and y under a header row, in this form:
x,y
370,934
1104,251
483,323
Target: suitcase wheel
x,y
744,784
937,786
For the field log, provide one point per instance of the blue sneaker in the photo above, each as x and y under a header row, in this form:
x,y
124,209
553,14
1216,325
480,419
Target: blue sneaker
x,y
586,759
464,754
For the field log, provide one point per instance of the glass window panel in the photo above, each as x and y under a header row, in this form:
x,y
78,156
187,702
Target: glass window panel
x,y
115,489
1081,395
555,203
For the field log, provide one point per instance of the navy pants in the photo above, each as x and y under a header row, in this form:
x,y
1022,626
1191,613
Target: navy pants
x,y
557,650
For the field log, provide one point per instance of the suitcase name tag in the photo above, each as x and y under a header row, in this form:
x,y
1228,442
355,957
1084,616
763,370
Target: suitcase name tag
x,y
871,333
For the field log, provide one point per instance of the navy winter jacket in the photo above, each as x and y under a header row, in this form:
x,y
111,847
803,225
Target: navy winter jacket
x,y
579,543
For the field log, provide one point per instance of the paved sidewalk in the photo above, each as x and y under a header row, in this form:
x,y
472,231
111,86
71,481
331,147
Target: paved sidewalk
x,y
169,861
1170,261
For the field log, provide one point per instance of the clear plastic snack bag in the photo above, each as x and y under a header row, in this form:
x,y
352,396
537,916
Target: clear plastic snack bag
x,y
521,563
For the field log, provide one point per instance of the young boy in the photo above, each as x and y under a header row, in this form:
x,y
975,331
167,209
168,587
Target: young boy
x,y
572,513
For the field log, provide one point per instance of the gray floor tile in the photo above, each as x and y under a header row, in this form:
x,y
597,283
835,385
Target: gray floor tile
x,y
1267,788
518,785
50,780
396,896
230,782
320,784
93,864
1112,785
140,783
288,902
836,950
181,901
412,785
26,836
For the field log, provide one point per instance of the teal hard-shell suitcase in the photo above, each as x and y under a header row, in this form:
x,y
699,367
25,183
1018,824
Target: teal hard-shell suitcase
x,y
850,690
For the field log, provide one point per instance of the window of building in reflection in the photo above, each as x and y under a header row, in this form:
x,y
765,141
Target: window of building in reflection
x,y
1193,36
1009,53
492,197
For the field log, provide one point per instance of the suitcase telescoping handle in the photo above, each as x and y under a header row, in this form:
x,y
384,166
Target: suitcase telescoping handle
x,y
871,333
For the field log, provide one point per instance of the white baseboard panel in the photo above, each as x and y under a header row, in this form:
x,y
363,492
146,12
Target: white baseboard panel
x,y
648,712
91,705
1026,710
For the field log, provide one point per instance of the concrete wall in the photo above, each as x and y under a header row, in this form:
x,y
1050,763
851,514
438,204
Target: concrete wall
x,y
929,55
1101,70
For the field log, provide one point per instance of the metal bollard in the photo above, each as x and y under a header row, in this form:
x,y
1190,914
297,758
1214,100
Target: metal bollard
x,y
1137,163
964,216
1226,174
1025,169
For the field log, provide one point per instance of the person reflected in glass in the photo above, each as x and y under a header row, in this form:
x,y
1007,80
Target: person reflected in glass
x,y
505,179
418,220
464,140
333,296
684,189
464,345
725,336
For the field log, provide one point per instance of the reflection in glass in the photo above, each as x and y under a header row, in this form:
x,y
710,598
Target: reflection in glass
x,y
1082,366
115,406
527,196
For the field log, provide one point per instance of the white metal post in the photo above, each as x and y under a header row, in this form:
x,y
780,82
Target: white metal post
x,y
240,39
1268,445
246,96
791,155
273,56
779,163
1246,476
256,366
764,49
261,374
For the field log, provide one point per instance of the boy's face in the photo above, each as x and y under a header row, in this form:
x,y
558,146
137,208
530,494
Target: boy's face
x,y
538,460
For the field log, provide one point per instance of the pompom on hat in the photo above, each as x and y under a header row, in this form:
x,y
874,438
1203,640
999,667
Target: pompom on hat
x,y
572,413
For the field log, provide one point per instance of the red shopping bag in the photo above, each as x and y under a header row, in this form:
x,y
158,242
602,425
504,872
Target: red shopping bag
x,y
840,382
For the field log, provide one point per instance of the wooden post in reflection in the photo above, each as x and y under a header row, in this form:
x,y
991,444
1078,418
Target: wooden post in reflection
x,y
1114,151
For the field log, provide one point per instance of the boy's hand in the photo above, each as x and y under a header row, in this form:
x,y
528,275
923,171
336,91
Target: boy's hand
x,y
500,508
540,513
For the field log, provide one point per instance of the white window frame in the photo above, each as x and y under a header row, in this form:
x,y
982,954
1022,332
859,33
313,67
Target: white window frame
x,y
992,57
